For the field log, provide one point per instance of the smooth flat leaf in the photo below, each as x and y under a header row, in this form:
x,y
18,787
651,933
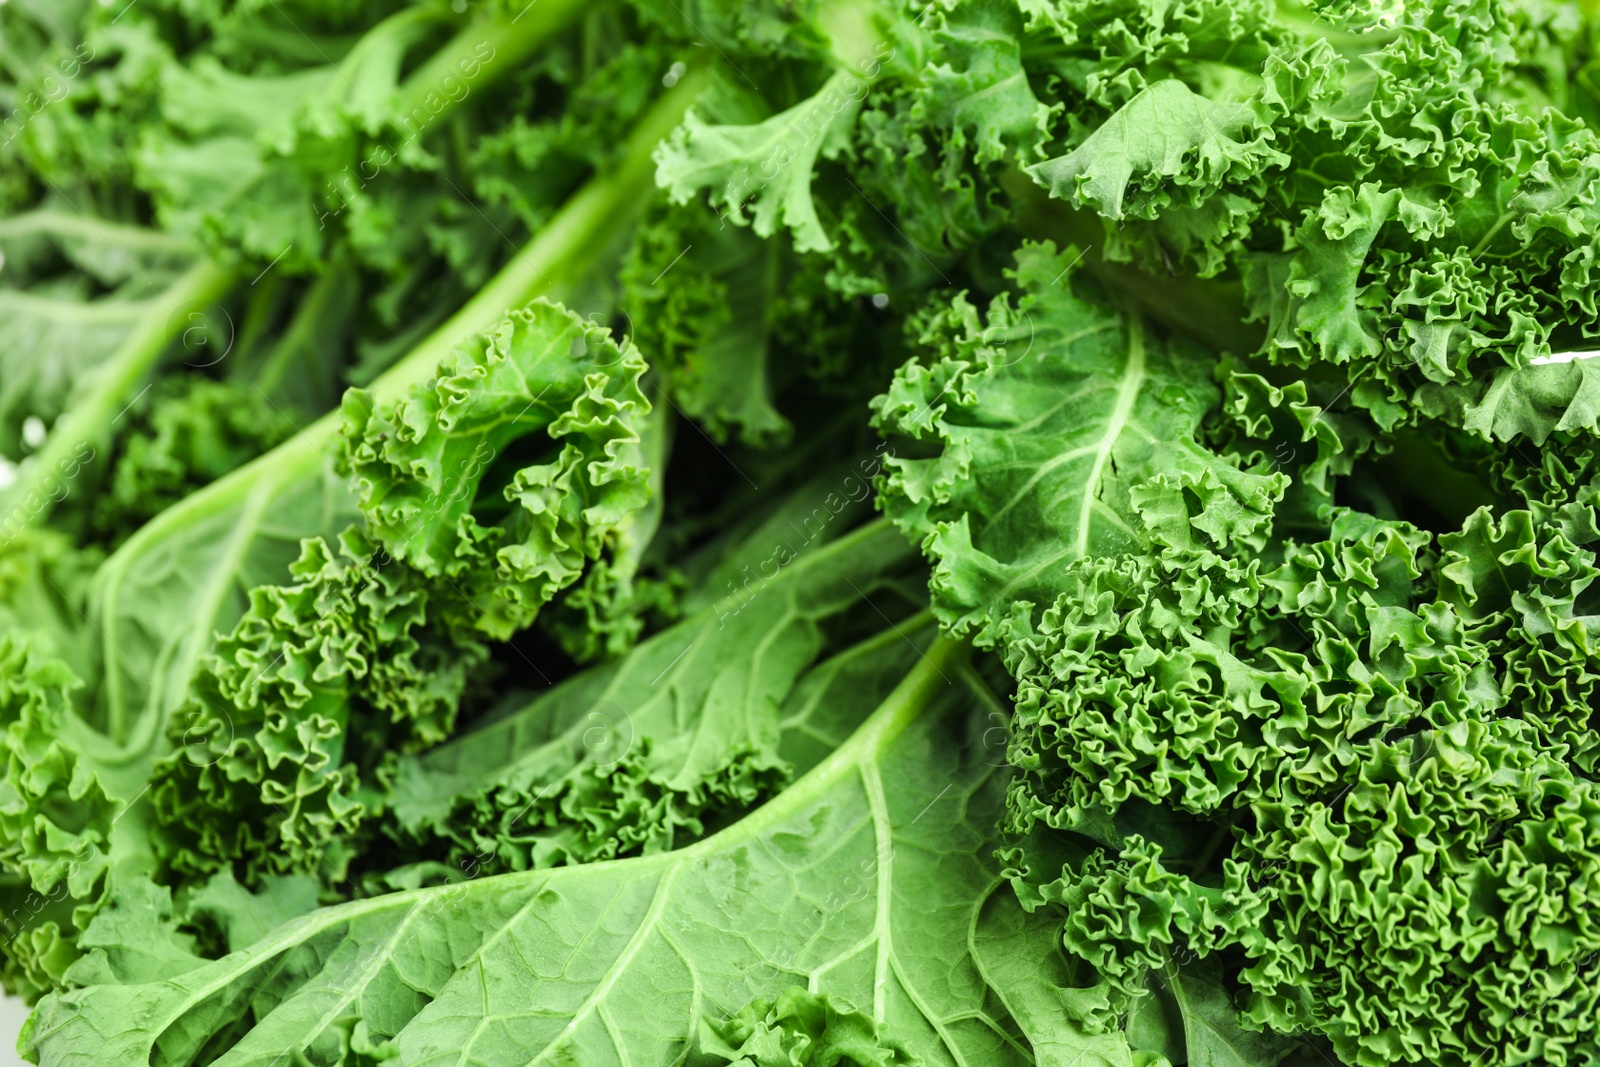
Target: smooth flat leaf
x,y
625,755
1211,1025
859,882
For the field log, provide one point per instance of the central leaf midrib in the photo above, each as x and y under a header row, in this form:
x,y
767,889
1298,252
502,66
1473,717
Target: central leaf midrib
x,y
898,710
883,842
1133,376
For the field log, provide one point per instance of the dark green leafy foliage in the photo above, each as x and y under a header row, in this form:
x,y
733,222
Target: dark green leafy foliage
x,y
1219,687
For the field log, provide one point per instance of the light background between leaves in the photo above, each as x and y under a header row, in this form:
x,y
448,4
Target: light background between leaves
x,y
12,1013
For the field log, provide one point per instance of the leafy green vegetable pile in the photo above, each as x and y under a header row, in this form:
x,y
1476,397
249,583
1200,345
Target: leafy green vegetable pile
x,y
801,532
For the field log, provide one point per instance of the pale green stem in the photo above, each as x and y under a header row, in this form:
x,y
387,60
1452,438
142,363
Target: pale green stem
x,y
87,425
485,50
81,227
547,266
